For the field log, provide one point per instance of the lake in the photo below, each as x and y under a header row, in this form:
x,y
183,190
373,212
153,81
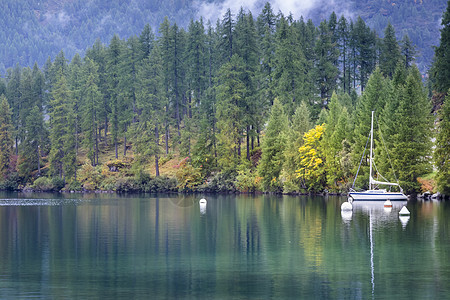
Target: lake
x,y
237,247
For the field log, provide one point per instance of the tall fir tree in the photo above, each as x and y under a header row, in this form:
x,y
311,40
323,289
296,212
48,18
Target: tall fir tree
x,y
32,147
299,125
440,70
273,148
326,71
411,152
231,102
442,151
6,134
91,107
390,52
62,152
151,101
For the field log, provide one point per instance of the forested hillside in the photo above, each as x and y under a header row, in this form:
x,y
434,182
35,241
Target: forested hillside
x,y
250,103
32,30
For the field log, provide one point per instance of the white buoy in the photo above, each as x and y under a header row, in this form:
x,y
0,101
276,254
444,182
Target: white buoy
x,y
202,203
404,220
346,206
388,203
404,211
346,216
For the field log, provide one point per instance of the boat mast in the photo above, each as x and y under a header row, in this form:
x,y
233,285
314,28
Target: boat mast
x,y
371,146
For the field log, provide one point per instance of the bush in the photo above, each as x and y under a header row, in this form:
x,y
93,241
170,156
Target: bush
x,y
188,177
247,181
222,183
58,183
43,184
90,177
125,185
74,185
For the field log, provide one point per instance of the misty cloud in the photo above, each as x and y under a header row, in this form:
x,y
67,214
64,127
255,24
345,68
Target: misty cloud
x,y
215,10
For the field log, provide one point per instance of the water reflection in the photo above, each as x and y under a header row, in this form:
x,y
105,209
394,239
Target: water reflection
x,y
239,247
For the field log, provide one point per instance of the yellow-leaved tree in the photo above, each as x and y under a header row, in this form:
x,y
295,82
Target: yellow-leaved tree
x,y
312,170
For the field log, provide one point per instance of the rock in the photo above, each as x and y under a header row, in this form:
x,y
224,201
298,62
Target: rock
x,y
436,196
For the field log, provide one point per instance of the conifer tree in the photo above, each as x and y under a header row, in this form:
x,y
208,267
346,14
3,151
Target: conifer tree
x,y
62,152
299,125
335,143
390,52
273,147
343,42
289,67
33,146
326,71
13,95
440,70
442,151
151,100
114,55
75,83
230,105
6,141
92,102
146,42
412,148
408,51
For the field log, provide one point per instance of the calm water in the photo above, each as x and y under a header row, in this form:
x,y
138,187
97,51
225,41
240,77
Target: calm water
x,y
109,246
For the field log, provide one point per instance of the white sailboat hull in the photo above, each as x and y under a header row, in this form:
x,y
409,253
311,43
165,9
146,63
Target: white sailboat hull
x,y
377,195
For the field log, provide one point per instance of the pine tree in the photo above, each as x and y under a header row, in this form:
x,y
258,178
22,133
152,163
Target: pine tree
x,y
440,70
146,42
62,152
231,102
91,107
34,139
442,151
335,143
273,147
411,153
6,141
289,67
13,95
151,100
390,52
299,125
326,71
114,55
408,51
344,47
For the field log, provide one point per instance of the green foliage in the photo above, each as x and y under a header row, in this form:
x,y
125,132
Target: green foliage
x,y
43,184
247,180
208,94
442,151
440,70
5,137
188,177
90,177
299,125
273,148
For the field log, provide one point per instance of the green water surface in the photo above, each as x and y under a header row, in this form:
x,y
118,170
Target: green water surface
x,y
66,246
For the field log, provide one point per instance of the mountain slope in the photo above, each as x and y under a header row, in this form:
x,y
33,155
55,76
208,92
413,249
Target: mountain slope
x,y
33,30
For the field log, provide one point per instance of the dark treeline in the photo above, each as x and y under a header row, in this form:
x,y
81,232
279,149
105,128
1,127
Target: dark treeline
x,y
267,103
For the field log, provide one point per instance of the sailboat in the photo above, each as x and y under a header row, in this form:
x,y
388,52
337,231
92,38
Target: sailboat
x,y
373,194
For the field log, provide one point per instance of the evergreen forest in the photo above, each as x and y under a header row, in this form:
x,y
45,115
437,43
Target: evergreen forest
x,y
262,103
